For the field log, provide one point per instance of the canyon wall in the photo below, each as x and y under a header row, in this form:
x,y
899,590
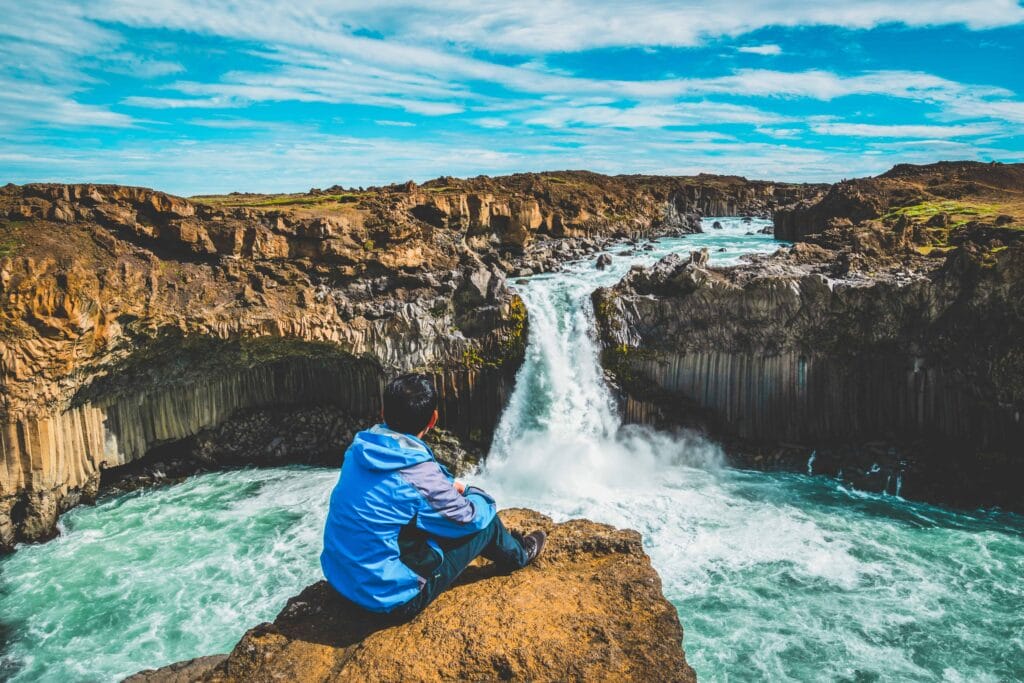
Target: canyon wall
x,y
884,347
133,320
907,379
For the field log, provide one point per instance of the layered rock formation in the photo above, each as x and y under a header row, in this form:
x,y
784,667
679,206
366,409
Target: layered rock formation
x,y
963,192
896,361
134,322
591,608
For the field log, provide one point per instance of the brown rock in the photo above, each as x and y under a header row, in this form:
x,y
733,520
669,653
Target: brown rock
x,y
590,609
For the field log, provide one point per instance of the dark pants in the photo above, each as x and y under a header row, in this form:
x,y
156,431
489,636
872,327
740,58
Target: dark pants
x,y
494,543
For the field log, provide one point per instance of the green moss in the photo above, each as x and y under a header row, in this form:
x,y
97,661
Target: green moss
x,y
926,210
10,237
265,201
369,245
928,249
471,357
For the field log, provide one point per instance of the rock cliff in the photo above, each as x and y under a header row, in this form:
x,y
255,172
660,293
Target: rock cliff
x,y
137,324
590,609
897,362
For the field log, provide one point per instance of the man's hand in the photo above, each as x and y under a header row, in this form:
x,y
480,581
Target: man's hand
x,y
460,487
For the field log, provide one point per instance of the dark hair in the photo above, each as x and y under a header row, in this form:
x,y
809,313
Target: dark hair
x,y
409,402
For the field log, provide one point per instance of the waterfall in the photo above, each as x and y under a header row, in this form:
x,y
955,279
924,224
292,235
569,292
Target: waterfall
x,y
561,432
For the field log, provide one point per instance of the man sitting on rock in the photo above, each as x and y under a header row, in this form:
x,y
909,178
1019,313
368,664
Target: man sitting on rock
x,y
400,529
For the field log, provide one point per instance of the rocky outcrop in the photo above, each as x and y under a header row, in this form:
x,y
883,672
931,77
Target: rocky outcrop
x,y
133,320
965,192
591,608
512,211
883,348
909,376
137,324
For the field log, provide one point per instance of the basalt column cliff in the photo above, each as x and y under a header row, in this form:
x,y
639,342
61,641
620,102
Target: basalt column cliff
x,y
884,347
137,326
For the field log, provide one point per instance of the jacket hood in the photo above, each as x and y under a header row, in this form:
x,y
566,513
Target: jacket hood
x,y
380,448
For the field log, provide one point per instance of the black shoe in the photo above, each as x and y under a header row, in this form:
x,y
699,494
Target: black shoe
x,y
533,544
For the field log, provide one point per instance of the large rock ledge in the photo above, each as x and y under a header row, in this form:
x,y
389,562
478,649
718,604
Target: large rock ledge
x,y
590,609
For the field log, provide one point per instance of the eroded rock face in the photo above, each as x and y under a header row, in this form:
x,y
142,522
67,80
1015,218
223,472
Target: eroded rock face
x,y
124,331
133,320
886,341
907,374
591,608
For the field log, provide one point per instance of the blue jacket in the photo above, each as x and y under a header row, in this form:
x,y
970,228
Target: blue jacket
x,y
389,480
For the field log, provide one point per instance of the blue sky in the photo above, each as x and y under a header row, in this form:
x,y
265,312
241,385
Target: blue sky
x,y
194,97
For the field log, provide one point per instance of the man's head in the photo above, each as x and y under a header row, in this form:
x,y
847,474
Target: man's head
x,y
410,404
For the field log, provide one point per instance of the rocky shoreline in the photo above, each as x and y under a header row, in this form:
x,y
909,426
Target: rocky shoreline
x,y
135,324
591,608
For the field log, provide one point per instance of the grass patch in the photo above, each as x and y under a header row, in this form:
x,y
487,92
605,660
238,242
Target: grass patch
x,y
10,233
267,201
928,249
966,210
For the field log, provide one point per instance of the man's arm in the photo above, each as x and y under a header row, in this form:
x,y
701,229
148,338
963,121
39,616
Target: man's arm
x,y
444,511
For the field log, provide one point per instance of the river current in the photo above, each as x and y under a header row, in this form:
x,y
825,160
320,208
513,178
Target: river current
x,y
776,576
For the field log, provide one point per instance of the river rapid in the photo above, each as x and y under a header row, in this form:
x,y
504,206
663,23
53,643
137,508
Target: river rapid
x,y
776,576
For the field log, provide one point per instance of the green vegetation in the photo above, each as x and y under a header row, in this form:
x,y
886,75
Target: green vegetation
x,y
471,357
10,233
369,245
265,201
939,236
966,210
929,249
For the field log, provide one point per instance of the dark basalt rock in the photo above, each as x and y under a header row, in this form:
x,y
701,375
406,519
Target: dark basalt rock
x,y
891,367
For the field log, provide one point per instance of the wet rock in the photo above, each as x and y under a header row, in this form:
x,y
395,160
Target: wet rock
x,y
181,672
590,608
716,225
603,261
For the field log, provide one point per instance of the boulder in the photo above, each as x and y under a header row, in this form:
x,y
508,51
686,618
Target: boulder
x,y
591,608
603,261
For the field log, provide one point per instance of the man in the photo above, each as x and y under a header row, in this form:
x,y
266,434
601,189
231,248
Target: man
x,y
400,529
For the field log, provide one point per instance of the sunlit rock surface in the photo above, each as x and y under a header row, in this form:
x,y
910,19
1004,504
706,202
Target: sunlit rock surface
x,y
590,609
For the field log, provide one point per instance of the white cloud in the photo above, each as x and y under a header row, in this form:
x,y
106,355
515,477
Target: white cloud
x,y
396,124
768,50
491,122
541,26
652,115
23,103
868,130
